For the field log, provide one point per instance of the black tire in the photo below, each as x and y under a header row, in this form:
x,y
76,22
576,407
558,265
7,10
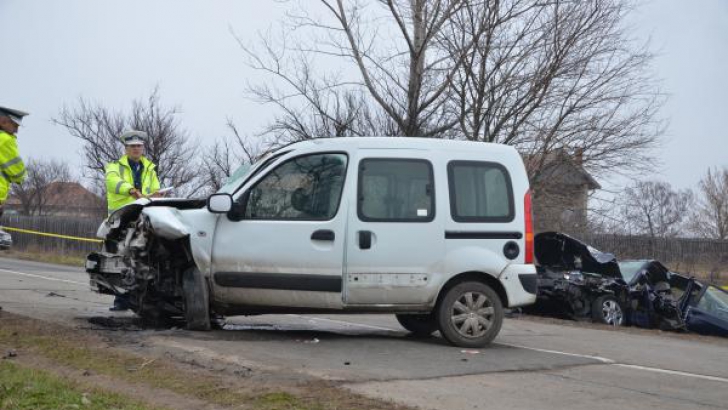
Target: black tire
x,y
462,322
606,309
419,325
197,300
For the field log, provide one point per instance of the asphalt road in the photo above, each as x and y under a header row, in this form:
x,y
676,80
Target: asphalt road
x,y
530,366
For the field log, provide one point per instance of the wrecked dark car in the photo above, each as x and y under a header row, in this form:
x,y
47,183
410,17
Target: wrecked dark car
x,y
653,303
703,307
670,301
579,281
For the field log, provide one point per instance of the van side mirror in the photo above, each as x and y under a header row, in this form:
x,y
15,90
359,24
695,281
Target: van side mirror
x,y
220,203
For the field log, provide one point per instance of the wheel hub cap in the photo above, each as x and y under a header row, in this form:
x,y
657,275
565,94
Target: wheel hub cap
x,y
472,314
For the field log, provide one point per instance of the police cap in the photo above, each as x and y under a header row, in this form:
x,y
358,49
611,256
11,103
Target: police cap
x,y
15,115
133,138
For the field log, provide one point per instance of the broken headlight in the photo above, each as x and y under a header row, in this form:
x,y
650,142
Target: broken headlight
x,y
574,276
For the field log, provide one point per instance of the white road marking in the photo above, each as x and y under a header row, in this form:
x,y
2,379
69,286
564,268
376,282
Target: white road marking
x,y
583,356
603,360
32,275
673,372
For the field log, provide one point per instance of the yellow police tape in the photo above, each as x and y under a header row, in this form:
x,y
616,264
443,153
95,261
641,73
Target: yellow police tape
x,y
52,235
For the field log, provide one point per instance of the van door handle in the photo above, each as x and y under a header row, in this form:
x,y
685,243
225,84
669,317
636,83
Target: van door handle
x,y
365,239
323,235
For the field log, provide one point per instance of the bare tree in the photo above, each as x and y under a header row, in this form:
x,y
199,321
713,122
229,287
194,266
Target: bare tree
x,y
560,80
99,127
656,209
37,190
402,82
710,218
220,161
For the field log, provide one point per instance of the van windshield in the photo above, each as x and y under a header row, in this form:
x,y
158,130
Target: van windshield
x,y
236,178
247,170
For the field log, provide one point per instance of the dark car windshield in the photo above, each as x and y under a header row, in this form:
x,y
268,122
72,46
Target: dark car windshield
x,y
715,301
629,269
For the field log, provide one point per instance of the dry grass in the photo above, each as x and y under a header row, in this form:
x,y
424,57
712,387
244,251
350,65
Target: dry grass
x,y
85,351
47,257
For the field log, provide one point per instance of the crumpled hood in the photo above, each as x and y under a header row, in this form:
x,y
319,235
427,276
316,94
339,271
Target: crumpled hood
x,y
559,251
163,214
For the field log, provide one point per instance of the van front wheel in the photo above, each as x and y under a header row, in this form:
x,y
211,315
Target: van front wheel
x,y
470,314
197,300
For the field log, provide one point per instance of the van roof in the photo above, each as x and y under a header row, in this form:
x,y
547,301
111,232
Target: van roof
x,y
402,143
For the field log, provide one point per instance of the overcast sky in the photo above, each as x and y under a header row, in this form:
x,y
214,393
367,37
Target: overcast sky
x,y
114,52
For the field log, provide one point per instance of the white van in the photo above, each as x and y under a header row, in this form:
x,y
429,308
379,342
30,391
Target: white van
x,y
438,232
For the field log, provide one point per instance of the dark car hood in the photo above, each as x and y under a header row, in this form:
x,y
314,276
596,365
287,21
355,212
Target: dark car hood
x,y
558,251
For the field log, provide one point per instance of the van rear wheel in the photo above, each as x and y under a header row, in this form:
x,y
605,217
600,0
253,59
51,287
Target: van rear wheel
x,y
470,315
420,325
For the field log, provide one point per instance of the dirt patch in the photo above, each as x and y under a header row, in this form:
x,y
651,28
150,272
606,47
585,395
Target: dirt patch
x,y
106,359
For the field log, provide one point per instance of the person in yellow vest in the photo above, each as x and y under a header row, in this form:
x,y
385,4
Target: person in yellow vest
x,y
133,176
130,178
12,167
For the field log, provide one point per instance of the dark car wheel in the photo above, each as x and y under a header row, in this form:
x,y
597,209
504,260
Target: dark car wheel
x,y
607,310
420,325
470,314
197,300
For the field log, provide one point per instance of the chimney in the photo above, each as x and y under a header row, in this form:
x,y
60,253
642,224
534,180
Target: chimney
x,y
579,156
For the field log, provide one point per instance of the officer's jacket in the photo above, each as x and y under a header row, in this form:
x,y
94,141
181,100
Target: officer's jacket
x,y
120,180
12,167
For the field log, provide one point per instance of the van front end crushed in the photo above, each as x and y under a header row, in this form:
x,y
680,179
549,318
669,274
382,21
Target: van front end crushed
x,y
145,252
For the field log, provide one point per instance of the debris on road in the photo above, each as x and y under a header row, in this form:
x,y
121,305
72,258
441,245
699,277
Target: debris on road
x,y
10,354
54,294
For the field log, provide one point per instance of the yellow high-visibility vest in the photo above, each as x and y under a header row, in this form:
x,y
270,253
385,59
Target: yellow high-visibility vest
x,y
120,180
11,165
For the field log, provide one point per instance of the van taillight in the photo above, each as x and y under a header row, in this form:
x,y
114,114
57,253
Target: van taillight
x,y
528,219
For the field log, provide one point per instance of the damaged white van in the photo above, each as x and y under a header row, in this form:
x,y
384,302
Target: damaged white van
x,y
437,232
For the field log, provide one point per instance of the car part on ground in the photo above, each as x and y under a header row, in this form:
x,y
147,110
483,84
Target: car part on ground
x,y
579,281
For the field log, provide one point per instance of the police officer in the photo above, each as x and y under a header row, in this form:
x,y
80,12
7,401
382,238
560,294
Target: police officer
x,y
133,176
12,168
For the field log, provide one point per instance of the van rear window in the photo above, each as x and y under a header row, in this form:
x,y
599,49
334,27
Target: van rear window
x,y
480,192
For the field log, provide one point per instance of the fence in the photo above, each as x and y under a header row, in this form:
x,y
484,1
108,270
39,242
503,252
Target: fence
x,y
704,257
71,226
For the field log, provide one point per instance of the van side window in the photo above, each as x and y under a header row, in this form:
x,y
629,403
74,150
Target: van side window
x,y
396,190
302,188
480,192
